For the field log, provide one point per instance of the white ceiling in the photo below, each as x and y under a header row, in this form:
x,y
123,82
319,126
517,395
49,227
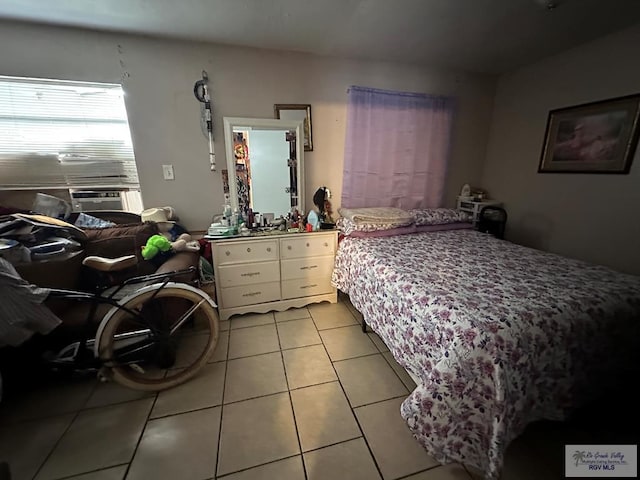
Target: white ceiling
x,y
477,35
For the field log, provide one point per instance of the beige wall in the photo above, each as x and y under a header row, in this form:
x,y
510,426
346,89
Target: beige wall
x,y
164,115
591,217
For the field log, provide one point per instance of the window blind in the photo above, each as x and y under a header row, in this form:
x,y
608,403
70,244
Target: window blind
x,y
58,133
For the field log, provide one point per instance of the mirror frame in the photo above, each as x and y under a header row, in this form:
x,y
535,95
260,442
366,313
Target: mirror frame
x,y
266,124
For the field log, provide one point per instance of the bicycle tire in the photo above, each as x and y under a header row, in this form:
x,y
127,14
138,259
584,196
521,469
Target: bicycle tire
x,y
132,378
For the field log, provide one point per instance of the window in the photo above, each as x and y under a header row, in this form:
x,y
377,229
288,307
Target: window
x,y
64,134
396,148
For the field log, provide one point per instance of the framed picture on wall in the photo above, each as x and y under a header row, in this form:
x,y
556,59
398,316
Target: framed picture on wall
x,y
288,111
598,137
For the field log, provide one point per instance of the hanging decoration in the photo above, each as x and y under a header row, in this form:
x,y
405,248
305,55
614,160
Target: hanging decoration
x,y
201,92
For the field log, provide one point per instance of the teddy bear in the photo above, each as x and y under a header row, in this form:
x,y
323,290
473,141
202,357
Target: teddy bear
x,y
184,243
161,244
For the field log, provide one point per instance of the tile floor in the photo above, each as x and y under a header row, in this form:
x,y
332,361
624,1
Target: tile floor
x,y
294,395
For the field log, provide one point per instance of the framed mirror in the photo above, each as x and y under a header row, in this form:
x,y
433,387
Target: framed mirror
x,y
265,165
288,111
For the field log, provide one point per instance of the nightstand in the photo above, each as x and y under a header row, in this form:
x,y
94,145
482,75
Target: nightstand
x,y
473,207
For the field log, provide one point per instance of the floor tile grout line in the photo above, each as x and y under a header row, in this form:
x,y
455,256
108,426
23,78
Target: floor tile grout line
x,y
394,370
120,402
224,386
146,423
313,385
469,474
293,410
75,475
244,400
255,354
55,445
353,413
388,363
275,351
250,398
298,346
385,358
337,327
294,456
303,346
255,466
49,417
193,410
435,467
354,358
293,319
144,428
380,401
333,444
254,398
251,326
375,348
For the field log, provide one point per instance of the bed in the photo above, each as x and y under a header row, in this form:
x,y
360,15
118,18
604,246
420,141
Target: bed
x,y
497,335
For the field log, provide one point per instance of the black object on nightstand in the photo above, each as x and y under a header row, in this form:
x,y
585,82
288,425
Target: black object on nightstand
x,y
492,220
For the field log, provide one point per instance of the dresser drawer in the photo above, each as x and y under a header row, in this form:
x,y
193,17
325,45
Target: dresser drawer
x,y
246,252
306,287
307,246
250,294
311,267
248,274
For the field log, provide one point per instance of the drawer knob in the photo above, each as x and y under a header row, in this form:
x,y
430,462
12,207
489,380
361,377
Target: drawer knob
x,y
268,249
289,247
227,253
248,250
326,244
307,244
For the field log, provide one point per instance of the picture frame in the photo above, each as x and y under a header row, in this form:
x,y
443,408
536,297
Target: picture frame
x,y
597,137
290,111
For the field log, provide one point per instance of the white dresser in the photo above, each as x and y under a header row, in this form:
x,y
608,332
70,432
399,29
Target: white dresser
x,y
275,272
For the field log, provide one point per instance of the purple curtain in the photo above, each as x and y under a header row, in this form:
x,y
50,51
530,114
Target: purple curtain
x,y
396,149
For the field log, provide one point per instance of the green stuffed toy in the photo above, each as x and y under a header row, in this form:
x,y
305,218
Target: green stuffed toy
x,y
155,245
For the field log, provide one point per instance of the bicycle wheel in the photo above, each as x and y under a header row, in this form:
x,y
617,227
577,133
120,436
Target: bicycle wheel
x,y
167,339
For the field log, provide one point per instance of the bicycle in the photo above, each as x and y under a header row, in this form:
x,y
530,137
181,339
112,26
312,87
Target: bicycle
x,y
154,338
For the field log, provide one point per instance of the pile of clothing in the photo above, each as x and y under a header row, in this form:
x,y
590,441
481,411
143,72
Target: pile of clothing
x,y
21,311
25,238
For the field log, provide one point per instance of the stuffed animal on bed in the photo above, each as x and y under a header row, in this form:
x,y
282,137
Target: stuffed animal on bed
x,y
155,245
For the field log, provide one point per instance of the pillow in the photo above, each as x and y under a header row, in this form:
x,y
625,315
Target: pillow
x,y
347,226
377,215
438,216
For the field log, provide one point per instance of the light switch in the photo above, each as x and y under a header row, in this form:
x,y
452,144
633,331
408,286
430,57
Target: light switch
x,y
167,172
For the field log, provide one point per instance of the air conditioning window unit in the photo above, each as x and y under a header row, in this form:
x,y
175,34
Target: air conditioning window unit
x,y
88,200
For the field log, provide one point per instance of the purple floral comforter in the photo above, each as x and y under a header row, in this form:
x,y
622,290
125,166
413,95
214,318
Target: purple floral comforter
x,y
499,335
